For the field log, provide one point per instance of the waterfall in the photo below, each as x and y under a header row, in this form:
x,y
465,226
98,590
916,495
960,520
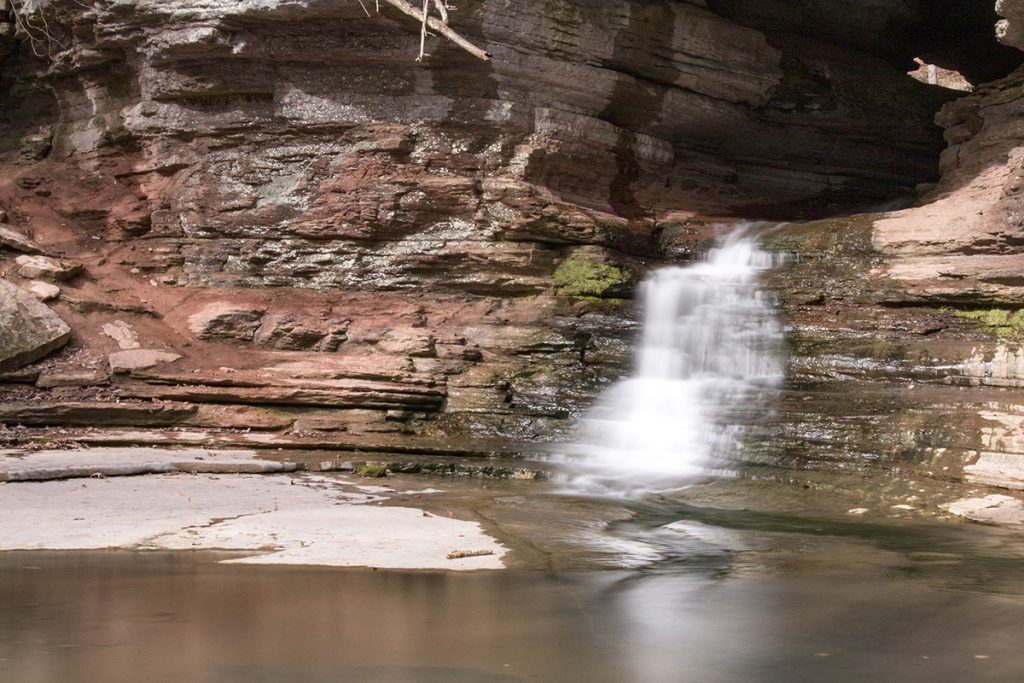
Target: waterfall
x,y
710,351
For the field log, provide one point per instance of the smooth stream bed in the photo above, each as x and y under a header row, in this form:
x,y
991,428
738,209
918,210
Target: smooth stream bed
x,y
746,597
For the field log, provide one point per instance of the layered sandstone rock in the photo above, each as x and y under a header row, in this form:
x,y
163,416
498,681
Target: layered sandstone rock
x,y
889,308
966,243
625,109
340,240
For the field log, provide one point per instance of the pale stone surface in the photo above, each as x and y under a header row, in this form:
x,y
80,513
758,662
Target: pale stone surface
x,y
18,465
122,333
994,509
44,291
33,267
139,359
12,239
299,519
28,329
1004,367
398,538
1005,470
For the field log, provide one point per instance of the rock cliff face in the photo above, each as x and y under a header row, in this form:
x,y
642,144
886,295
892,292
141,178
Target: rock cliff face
x,y
964,246
349,247
908,326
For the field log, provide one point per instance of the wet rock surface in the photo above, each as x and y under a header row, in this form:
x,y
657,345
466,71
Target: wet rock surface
x,y
882,378
993,509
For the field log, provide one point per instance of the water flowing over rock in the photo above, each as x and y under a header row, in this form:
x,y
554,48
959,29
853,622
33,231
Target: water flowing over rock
x,y
709,348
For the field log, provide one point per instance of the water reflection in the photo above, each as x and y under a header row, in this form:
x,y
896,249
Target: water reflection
x,y
123,616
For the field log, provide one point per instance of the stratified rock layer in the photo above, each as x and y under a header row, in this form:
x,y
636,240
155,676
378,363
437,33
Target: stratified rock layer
x,y
966,243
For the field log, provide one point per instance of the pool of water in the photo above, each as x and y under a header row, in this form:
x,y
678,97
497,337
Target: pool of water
x,y
723,595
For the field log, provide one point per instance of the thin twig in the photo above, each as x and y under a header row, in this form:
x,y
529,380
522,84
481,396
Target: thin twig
x,y
28,29
423,31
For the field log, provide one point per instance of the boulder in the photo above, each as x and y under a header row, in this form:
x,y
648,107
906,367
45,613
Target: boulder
x,y
12,239
33,267
129,360
28,329
44,291
1010,29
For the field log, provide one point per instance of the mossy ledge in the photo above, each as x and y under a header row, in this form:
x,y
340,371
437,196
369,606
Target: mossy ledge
x,y
585,278
1003,323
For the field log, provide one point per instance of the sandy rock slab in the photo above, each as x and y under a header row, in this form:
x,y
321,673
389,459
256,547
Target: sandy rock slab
x,y
994,509
282,519
130,360
72,378
46,465
1005,470
225,322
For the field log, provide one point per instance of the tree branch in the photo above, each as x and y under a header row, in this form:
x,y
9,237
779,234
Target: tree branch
x,y
442,9
442,28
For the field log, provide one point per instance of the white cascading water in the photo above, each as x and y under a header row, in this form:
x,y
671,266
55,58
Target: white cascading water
x,y
710,350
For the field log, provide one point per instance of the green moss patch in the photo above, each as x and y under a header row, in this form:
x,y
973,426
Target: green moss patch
x,y
585,278
372,470
1001,322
